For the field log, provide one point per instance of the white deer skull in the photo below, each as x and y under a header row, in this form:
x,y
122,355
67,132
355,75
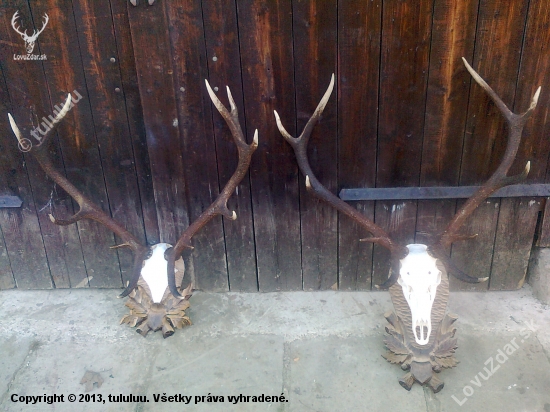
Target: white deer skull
x,y
29,40
153,271
419,278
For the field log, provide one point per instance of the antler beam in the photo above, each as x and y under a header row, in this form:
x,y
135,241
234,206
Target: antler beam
x,y
299,145
88,210
219,206
499,179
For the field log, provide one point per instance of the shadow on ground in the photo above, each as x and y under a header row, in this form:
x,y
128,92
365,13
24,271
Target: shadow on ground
x,y
320,351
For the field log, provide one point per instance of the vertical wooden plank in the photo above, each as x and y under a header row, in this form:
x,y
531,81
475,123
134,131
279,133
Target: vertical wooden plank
x,y
453,36
474,256
496,58
544,231
315,43
514,239
99,55
518,217
7,281
9,177
153,58
134,113
266,54
404,73
224,69
77,135
45,242
359,36
197,140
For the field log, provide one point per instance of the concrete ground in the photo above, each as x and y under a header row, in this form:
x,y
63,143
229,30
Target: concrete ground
x,y
321,351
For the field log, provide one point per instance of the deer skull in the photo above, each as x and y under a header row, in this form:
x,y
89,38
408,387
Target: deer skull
x,y
419,278
422,269
156,299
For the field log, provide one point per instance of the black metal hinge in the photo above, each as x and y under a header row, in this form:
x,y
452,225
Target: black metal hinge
x,y
10,201
460,192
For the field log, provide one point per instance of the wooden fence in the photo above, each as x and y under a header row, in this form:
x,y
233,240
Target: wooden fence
x,y
145,143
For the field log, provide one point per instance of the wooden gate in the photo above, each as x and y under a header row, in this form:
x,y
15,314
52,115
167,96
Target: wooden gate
x,y
144,142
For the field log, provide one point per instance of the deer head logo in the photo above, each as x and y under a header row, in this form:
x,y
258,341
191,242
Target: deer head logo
x,y
29,40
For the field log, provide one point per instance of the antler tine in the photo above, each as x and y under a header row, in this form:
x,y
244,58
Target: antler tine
x,y
219,206
499,179
23,142
13,23
47,19
88,210
312,184
306,133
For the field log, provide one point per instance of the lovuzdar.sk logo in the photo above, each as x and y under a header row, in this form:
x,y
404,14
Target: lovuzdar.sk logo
x,y
30,41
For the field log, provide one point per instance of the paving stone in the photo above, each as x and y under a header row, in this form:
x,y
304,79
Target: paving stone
x,y
322,349
497,372
226,366
336,374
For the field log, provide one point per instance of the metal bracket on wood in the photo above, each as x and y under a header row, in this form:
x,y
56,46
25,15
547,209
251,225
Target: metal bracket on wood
x,y
10,201
421,193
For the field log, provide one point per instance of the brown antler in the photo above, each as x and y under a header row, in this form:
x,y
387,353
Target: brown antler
x,y
219,206
88,210
299,145
499,179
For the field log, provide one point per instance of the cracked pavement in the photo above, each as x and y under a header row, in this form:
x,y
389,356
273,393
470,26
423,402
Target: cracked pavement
x,y
320,350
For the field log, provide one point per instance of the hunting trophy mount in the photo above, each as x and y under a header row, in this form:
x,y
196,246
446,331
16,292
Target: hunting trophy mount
x,y
420,335
156,298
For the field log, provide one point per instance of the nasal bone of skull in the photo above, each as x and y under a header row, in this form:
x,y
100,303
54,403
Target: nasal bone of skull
x,y
421,321
419,278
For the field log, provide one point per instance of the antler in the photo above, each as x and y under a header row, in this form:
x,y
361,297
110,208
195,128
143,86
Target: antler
x,y
88,210
36,33
299,145
219,206
13,24
499,179
24,34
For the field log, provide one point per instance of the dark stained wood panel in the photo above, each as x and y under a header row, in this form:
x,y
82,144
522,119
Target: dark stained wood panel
x,y
315,46
197,140
21,223
534,72
474,256
265,29
496,58
453,37
134,113
153,60
404,66
40,252
513,242
359,37
518,217
224,69
99,56
146,144
64,73
7,281
543,234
